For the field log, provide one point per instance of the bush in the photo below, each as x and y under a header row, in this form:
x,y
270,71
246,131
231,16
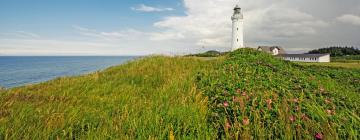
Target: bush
x,y
254,95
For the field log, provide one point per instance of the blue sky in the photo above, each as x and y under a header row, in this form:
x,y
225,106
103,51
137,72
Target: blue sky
x,y
142,27
56,17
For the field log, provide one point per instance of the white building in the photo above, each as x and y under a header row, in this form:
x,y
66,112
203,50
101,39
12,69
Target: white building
x,y
280,52
274,50
237,29
306,57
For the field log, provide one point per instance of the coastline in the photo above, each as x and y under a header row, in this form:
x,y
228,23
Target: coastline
x,y
17,71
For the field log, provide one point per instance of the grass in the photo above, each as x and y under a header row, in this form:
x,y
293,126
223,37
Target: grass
x,y
149,98
350,64
253,95
244,95
344,58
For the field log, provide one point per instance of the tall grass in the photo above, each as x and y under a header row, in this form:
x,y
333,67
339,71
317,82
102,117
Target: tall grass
x,y
150,98
253,95
244,95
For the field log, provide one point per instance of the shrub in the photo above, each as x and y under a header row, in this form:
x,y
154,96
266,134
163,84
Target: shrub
x,y
254,95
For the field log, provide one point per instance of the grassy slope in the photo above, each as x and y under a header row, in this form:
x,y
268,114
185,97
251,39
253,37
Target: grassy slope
x,y
158,97
147,98
254,95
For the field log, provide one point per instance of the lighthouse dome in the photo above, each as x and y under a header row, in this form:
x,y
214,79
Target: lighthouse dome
x,y
237,13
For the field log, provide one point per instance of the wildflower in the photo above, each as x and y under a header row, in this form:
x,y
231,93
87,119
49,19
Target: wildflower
x,y
296,100
329,111
246,121
292,118
327,101
227,125
243,93
297,108
269,101
304,117
322,89
226,104
318,136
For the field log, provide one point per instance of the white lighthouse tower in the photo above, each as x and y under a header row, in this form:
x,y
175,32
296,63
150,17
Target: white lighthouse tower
x,y
237,29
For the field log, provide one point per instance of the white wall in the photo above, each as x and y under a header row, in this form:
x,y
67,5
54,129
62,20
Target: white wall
x,y
325,58
298,59
237,33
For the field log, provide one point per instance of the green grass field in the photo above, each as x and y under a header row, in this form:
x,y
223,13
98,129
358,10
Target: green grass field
x,y
350,62
243,95
354,64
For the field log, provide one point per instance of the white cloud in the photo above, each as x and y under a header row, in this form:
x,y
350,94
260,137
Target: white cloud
x,y
20,34
128,34
145,8
350,19
208,23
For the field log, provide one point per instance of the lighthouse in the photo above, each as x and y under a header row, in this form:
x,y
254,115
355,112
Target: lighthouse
x,y
237,29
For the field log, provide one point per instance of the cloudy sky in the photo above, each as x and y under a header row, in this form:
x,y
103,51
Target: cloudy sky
x,y
141,27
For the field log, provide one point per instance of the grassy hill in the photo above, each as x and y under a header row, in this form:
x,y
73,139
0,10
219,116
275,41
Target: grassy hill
x,y
246,94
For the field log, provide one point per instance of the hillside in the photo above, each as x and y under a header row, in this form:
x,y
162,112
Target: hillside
x,y
245,94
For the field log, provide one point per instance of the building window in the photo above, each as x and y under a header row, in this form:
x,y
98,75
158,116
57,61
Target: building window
x,y
237,40
237,29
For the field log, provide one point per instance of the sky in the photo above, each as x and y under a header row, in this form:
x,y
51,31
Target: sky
x,y
144,27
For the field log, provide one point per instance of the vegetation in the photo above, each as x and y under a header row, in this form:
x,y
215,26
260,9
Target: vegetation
x,y
208,54
337,51
351,62
243,95
346,59
150,98
256,96
337,64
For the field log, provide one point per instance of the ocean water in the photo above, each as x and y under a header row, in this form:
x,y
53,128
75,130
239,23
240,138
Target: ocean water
x,y
18,70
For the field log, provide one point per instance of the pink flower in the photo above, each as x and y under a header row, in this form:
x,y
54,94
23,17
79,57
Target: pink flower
x,y
296,100
243,93
238,91
322,89
304,117
226,104
269,101
292,118
246,121
328,111
318,136
227,125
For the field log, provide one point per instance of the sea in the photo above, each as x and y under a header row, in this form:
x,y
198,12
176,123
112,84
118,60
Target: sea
x,y
23,70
